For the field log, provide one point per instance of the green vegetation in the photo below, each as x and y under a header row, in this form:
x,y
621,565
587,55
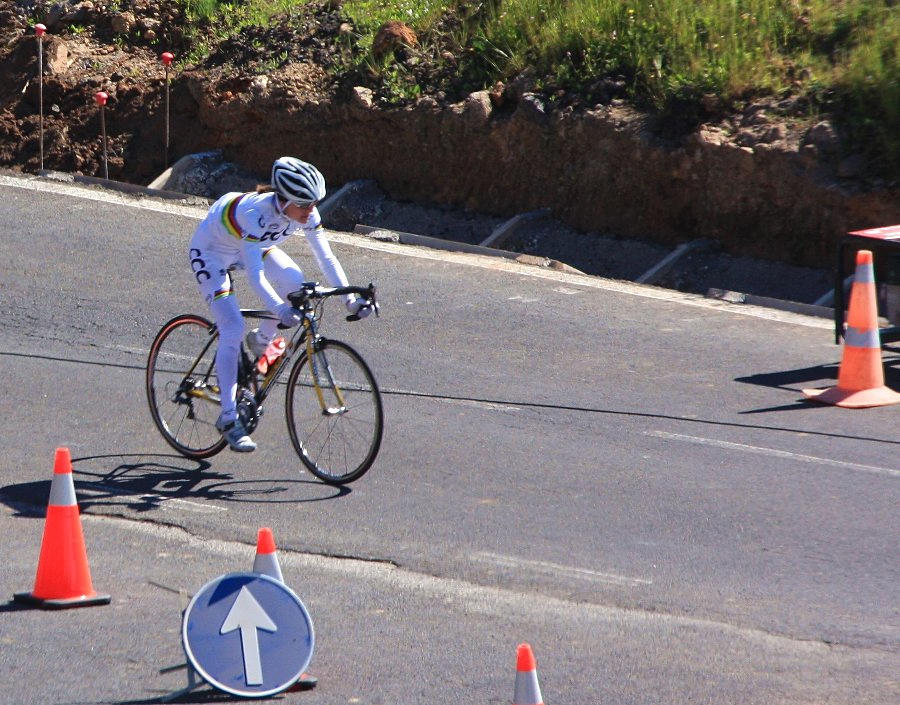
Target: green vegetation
x,y
224,20
671,56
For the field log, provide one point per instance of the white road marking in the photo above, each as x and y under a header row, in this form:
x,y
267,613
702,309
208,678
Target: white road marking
x,y
560,570
188,505
774,452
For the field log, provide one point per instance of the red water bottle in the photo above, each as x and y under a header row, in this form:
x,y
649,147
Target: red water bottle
x,y
273,351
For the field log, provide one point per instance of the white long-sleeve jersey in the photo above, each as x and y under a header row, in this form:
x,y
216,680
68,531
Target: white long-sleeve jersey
x,y
241,227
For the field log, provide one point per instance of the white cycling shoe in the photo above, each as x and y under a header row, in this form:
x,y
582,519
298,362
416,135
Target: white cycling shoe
x,y
236,435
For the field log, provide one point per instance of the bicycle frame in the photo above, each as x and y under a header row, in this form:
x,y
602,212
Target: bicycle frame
x,y
203,391
307,332
332,402
248,378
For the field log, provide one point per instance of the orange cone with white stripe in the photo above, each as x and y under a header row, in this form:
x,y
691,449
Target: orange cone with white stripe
x,y
266,561
861,374
528,692
63,577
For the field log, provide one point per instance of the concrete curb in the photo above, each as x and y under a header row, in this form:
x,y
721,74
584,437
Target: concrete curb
x,y
736,297
121,186
435,243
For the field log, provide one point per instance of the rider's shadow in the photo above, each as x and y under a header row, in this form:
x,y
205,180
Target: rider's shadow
x,y
144,483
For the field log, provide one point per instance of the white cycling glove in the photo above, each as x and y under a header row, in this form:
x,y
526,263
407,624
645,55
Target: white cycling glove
x,y
289,316
359,307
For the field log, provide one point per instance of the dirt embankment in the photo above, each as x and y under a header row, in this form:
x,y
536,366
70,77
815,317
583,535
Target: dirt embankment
x,y
760,183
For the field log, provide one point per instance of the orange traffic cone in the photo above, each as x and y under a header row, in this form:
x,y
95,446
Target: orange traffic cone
x,y
266,561
63,576
528,692
861,374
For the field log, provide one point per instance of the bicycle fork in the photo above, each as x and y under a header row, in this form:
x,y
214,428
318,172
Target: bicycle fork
x,y
323,376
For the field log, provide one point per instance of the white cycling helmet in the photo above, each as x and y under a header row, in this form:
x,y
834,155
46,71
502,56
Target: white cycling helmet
x,y
297,182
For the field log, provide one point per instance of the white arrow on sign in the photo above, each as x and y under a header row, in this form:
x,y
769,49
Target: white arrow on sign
x,y
248,615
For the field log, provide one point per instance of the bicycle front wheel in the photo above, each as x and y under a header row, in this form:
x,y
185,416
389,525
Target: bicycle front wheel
x,y
334,412
182,387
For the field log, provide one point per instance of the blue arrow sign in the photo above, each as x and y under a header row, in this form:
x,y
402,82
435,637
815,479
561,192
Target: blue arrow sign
x,y
248,634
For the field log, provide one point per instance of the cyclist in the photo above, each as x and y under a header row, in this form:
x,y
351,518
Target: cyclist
x,y
243,231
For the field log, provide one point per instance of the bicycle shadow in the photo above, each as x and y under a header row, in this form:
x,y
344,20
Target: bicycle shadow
x,y
813,377
142,483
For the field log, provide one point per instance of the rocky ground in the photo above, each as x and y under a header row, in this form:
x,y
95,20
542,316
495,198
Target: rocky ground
x,y
762,193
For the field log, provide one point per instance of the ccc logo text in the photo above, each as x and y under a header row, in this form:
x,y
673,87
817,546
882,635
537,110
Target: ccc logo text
x,y
271,231
198,266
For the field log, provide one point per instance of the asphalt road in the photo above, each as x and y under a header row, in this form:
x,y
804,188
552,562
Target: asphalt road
x,y
624,477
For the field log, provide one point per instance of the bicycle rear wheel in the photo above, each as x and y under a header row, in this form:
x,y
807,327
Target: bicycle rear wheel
x,y
338,435
182,387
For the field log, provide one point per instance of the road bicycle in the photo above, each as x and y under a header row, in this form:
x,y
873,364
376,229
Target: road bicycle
x,y
332,403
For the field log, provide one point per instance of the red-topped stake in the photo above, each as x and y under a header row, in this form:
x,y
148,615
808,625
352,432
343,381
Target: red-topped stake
x,y
40,30
167,58
100,97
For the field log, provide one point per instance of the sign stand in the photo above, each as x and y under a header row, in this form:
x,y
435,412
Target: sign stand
x,y
193,682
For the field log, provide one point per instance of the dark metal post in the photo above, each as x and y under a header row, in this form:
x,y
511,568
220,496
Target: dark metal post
x,y
167,58
39,30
